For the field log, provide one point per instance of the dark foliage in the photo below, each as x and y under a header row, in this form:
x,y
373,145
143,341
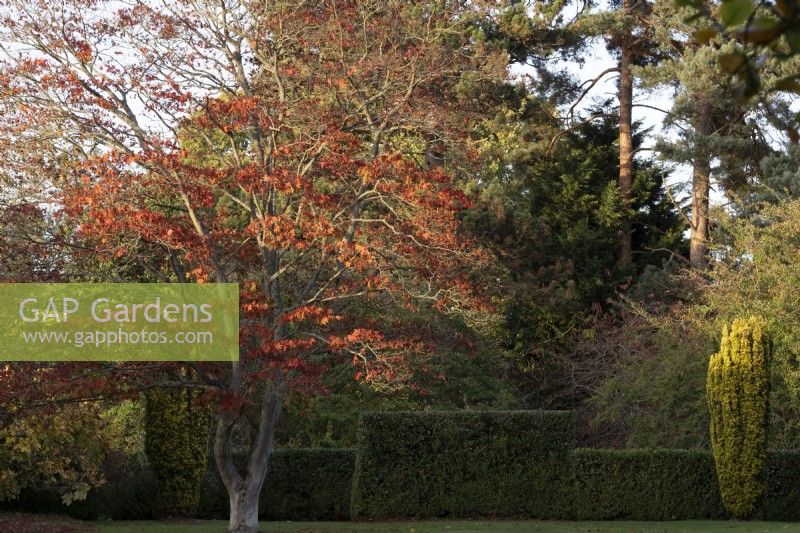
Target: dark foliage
x,y
462,464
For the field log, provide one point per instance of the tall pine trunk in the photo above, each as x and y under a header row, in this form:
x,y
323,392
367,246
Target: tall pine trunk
x,y
701,186
625,143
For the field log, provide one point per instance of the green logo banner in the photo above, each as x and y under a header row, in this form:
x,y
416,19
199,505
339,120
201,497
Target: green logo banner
x,y
119,322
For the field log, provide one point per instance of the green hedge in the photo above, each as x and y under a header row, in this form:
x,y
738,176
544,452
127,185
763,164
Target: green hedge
x,y
782,501
456,464
302,484
645,485
464,464
673,485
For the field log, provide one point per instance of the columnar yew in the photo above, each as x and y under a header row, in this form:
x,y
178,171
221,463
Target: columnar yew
x,y
738,404
176,443
280,145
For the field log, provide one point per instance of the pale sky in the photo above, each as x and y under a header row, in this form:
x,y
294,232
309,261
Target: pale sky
x,y
596,60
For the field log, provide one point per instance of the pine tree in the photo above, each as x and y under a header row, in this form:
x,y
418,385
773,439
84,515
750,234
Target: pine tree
x,y
712,125
628,34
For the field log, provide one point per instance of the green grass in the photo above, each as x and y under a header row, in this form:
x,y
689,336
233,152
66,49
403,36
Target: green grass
x,y
447,526
35,523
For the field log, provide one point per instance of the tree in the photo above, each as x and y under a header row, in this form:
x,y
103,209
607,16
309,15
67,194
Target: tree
x,y
534,33
626,50
738,404
719,136
313,119
628,33
764,32
29,240
552,218
177,432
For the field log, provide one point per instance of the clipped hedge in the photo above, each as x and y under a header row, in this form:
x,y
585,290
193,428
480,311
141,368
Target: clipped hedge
x,y
645,485
464,464
673,485
456,464
302,484
782,500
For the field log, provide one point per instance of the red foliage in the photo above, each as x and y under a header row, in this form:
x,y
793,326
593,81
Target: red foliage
x,y
278,147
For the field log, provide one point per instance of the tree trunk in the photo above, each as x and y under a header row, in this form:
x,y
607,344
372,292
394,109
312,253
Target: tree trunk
x,y
625,145
244,511
701,185
244,490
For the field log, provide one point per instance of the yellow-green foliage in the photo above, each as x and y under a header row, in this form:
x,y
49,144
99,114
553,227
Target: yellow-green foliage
x,y
62,450
738,404
176,444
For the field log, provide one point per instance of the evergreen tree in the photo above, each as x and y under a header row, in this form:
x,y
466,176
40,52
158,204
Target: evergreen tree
x,y
738,402
177,433
627,32
553,216
718,136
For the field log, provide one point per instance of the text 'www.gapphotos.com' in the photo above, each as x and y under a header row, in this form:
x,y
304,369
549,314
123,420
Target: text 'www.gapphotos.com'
x,y
111,338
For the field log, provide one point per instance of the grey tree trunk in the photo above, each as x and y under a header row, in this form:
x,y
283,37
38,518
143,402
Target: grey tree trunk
x,y
244,488
244,512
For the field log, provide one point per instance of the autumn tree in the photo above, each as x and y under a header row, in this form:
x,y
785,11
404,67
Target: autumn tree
x,y
279,145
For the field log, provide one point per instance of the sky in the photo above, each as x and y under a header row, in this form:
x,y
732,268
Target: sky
x,y
596,60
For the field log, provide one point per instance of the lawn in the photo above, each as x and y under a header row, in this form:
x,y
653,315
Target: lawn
x,y
46,524
463,527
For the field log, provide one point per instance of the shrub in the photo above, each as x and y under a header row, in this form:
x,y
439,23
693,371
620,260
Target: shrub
x,y
130,493
782,498
646,363
302,484
738,404
645,485
60,450
756,274
176,443
463,464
